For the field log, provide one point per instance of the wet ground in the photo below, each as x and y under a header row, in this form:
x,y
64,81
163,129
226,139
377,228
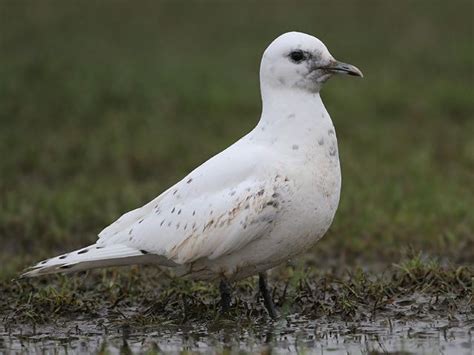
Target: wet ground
x,y
415,307
292,334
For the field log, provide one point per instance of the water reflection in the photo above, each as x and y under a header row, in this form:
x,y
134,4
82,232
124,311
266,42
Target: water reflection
x,y
290,335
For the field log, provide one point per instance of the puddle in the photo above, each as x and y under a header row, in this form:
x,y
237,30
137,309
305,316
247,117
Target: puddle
x,y
294,334
358,316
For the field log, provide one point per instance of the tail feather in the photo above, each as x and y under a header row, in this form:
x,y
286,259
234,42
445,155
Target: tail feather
x,y
95,256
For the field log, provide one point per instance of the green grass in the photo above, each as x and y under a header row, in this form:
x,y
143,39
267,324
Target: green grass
x,y
143,297
103,106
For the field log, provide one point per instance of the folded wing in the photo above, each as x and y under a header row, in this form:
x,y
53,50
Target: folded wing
x,y
217,209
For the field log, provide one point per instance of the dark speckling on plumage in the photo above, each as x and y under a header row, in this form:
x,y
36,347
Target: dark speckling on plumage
x,y
189,181
273,203
83,251
210,223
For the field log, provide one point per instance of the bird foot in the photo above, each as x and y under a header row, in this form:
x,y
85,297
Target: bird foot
x,y
226,295
267,295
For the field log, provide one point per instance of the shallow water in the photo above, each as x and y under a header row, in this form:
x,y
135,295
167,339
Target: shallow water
x,y
294,334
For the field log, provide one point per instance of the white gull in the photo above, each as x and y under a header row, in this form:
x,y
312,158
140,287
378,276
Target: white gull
x,y
266,198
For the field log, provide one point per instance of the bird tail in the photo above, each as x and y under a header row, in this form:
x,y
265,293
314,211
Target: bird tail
x,y
94,256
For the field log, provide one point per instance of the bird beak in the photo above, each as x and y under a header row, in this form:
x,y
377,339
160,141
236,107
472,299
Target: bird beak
x,y
343,68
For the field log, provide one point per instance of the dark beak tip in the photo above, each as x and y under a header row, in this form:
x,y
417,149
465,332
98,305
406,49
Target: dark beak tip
x,y
354,71
359,74
344,68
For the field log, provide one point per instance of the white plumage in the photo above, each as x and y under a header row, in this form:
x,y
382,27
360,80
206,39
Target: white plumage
x,y
266,198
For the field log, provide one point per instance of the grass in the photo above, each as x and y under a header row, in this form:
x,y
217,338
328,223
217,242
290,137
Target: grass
x,y
143,297
103,106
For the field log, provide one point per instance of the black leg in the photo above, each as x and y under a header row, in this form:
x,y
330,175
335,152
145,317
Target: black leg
x,y
226,295
266,294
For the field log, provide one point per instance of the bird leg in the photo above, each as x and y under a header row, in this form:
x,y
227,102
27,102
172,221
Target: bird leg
x,y
266,294
226,295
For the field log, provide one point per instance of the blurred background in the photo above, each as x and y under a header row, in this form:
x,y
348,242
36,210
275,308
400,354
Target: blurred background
x,y
103,105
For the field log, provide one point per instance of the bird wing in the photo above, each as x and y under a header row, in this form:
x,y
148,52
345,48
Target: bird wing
x,y
218,208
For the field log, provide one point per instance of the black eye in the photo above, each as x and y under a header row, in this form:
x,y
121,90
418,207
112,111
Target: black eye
x,y
297,56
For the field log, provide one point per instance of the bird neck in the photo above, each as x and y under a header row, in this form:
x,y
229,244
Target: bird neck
x,y
290,113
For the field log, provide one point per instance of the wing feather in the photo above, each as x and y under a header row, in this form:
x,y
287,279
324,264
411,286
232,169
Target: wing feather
x,y
217,209
188,230
129,218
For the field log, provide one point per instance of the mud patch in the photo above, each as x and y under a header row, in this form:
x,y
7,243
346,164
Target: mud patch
x,y
410,307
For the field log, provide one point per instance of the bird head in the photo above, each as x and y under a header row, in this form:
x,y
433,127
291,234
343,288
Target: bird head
x,y
297,60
